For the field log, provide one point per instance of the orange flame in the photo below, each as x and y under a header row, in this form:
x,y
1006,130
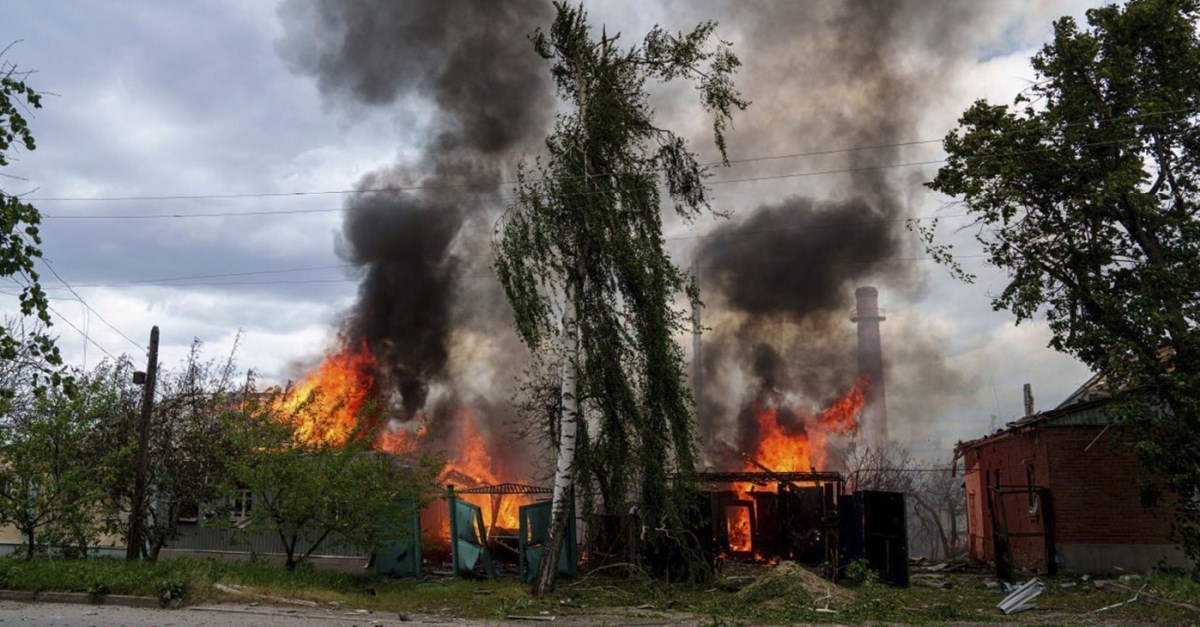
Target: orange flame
x,y
737,525
804,449
327,406
333,404
790,450
475,462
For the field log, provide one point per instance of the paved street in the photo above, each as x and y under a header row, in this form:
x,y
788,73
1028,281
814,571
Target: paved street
x,y
80,615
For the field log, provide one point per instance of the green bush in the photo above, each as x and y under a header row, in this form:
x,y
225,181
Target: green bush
x,y
859,573
169,590
97,591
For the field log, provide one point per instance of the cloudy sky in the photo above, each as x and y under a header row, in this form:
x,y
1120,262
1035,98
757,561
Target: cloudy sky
x,y
176,136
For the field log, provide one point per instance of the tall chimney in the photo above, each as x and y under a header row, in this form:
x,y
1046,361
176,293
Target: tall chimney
x,y
873,427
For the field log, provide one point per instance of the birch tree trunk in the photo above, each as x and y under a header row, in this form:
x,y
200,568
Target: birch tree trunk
x,y
564,471
587,221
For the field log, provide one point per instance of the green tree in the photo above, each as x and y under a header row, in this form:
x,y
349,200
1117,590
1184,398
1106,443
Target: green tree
x,y
20,239
190,451
1085,193
306,492
54,476
582,261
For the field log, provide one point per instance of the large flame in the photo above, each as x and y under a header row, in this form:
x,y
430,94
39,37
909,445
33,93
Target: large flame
x,y
789,448
786,449
474,463
340,400
328,406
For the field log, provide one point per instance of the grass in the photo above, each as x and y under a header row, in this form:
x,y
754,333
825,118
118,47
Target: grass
x,y
609,599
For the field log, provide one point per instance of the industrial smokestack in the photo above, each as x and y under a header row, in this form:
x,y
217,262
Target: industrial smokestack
x,y
867,315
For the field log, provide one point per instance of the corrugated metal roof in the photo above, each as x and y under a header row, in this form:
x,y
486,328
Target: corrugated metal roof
x,y
1093,389
1084,407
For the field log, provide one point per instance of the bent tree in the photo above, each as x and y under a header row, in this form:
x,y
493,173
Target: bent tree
x,y
581,256
1085,193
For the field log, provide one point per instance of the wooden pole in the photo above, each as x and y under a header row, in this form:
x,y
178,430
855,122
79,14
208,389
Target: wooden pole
x,y
133,550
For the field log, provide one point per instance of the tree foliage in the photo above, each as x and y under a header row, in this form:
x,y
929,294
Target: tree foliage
x,y
190,450
307,492
20,239
57,472
1085,193
583,243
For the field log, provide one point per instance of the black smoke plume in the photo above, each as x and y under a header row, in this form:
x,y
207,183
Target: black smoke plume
x,y
472,63
779,277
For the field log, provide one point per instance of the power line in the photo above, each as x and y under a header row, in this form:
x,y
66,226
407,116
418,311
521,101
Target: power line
x,y
225,214
50,267
491,190
720,233
452,186
472,276
51,308
79,331
467,186
168,281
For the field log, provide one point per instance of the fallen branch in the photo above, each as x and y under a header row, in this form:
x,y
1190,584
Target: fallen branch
x,y
1126,602
584,578
1152,598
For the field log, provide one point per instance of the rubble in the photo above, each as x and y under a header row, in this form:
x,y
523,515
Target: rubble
x,y
1020,599
791,583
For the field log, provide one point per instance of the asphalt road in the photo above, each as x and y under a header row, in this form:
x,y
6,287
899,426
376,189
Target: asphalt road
x,y
80,615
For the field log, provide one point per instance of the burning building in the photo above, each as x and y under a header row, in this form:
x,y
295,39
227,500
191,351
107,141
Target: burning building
x,y
428,345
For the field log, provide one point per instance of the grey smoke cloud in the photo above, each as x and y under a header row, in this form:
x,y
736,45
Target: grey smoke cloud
x,y
780,276
472,62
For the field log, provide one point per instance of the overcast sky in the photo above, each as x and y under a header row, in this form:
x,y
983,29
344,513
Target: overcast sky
x,y
200,99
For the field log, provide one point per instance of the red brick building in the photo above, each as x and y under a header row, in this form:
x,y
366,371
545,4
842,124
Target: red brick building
x,y
1058,489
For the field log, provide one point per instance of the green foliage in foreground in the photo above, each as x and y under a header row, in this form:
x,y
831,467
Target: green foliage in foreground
x,y
1086,194
604,599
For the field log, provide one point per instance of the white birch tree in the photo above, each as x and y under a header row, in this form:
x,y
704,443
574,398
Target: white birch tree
x,y
580,254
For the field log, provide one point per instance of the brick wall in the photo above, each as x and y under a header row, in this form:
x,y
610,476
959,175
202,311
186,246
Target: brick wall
x,y
1010,460
1096,498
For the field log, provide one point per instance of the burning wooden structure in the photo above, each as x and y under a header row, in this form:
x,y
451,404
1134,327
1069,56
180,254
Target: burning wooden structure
x,y
771,516
769,503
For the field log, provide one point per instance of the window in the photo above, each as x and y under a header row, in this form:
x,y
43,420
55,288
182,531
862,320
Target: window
x,y
1031,486
243,503
188,512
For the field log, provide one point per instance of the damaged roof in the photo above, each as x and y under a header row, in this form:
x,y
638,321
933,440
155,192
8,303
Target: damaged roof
x,y
1084,407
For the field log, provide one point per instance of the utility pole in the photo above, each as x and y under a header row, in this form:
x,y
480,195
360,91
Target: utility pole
x,y
134,549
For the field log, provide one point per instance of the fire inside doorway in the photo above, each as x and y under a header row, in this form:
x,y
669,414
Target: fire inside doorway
x,y
773,516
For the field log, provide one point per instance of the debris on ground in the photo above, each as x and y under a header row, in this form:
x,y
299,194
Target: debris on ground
x,y
792,584
1126,602
1022,597
933,581
1102,584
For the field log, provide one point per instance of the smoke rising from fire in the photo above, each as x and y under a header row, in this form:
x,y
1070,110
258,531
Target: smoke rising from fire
x,y
779,277
472,63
